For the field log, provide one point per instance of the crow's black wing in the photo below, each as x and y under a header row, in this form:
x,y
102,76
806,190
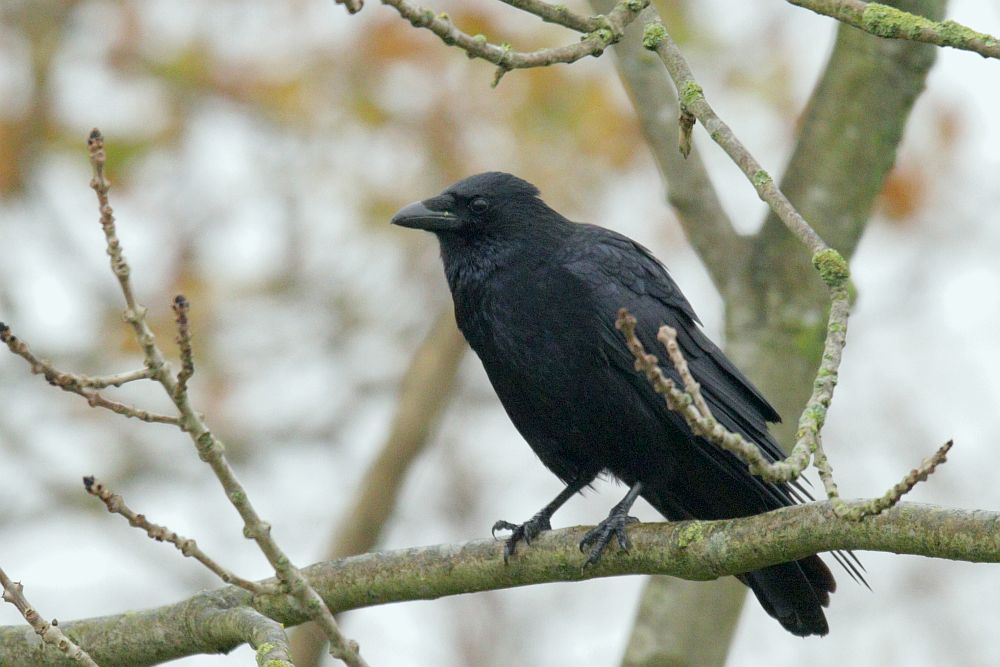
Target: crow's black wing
x,y
622,273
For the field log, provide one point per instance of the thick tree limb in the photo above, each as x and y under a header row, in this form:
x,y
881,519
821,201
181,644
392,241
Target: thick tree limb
x,y
685,623
697,550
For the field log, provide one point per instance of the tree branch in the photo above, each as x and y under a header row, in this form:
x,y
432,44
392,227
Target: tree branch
x,y
188,547
696,550
885,21
82,384
691,405
506,59
688,187
209,447
558,14
692,98
50,633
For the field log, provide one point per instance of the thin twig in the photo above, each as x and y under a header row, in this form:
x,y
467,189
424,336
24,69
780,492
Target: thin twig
x,y
559,14
692,98
13,592
690,404
210,448
116,505
65,379
592,44
96,400
890,22
896,493
81,384
808,440
352,6
668,338
700,418
181,308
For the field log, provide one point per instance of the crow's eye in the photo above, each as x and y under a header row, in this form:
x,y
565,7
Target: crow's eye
x,y
478,205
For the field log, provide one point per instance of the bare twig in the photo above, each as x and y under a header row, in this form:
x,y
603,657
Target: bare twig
x,y
668,338
688,188
116,505
352,6
13,592
210,448
696,412
885,21
181,307
689,403
896,493
692,98
82,384
559,14
593,43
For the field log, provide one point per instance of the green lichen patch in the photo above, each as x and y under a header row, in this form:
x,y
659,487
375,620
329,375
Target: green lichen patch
x,y
653,34
691,533
604,35
761,178
691,92
886,21
832,267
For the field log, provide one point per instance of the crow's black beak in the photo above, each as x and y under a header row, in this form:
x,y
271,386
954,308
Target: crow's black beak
x,y
418,216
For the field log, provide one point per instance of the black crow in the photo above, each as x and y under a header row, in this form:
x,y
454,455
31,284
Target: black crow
x,y
536,296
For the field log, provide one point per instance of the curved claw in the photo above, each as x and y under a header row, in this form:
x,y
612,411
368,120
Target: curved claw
x,y
502,525
526,531
600,536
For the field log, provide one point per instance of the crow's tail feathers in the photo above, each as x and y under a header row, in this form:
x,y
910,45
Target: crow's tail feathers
x,y
795,594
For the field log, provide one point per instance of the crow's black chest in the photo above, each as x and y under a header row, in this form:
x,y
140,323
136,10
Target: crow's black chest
x,y
536,332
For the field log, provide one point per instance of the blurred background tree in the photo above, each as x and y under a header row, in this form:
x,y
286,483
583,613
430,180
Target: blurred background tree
x,y
257,154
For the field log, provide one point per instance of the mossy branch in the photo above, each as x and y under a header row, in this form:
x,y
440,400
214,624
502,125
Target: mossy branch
x,y
890,22
696,550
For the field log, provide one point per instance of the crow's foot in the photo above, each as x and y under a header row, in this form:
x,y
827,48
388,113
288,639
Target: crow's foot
x,y
598,538
526,531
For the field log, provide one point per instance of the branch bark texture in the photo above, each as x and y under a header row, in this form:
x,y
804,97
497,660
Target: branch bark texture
x,y
775,307
215,621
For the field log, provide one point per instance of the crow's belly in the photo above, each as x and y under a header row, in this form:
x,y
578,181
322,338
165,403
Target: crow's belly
x,y
579,424
581,428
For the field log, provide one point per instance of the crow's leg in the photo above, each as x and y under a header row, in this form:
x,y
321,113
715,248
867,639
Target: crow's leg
x,y
614,526
539,523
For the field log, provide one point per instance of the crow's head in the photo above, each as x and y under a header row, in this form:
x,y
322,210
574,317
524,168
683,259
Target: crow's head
x,y
485,204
